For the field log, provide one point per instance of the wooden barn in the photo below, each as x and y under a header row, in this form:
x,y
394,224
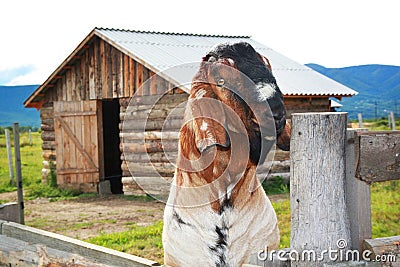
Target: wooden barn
x,y
83,104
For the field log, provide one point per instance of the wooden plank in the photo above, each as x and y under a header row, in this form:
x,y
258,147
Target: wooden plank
x,y
146,73
126,76
384,247
317,177
150,146
358,198
97,68
75,113
139,79
132,77
73,88
68,87
114,72
91,75
151,135
78,133
86,141
120,75
84,71
162,86
77,171
73,123
379,156
100,142
153,83
89,252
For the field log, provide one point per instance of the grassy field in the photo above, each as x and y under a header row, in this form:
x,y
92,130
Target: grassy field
x,y
31,162
145,241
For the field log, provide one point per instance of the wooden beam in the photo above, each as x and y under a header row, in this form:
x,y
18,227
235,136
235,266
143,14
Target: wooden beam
x,y
384,247
27,246
378,156
358,198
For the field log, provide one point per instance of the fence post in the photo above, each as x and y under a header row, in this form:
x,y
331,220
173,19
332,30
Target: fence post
x,y
358,199
18,172
393,121
30,137
317,179
9,157
360,121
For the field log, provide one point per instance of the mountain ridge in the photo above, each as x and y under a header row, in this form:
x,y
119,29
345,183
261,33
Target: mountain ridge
x,y
378,87
12,106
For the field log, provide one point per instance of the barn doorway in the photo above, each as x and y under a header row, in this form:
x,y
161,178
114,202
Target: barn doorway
x,y
112,153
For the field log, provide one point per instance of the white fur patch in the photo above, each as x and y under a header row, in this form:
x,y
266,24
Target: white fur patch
x,y
265,91
204,126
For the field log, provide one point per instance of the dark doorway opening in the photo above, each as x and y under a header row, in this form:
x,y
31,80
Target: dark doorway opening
x,y
112,153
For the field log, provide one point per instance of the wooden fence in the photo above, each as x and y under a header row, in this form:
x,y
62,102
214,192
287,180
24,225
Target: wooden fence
x,y
25,246
331,170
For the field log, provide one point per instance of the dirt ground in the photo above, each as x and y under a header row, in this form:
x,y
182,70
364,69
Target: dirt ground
x,y
87,217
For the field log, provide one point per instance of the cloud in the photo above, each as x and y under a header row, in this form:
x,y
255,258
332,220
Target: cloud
x,y
10,75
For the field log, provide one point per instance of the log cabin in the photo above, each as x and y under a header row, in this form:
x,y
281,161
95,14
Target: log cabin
x,y
86,109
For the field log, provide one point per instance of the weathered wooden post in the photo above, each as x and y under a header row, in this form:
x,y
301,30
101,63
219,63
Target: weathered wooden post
x,y
317,187
9,157
393,121
358,199
30,137
360,121
17,155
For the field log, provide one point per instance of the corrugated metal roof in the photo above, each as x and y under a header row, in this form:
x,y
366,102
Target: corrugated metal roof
x,y
175,56
160,51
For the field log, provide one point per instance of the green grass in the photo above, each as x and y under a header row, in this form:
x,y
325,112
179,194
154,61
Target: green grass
x,y
143,241
385,209
31,162
380,124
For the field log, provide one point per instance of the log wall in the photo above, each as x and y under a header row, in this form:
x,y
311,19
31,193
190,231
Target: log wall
x,y
162,120
306,104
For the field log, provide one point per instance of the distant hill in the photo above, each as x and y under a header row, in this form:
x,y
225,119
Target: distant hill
x,y
378,86
12,108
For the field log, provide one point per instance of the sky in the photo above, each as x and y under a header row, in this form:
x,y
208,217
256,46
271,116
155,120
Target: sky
x,y
36,36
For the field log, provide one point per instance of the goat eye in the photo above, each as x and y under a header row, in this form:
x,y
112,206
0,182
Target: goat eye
x,y
220,82
212,59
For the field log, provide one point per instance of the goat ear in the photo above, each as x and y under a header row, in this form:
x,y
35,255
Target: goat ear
x,y
266,61
209,123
